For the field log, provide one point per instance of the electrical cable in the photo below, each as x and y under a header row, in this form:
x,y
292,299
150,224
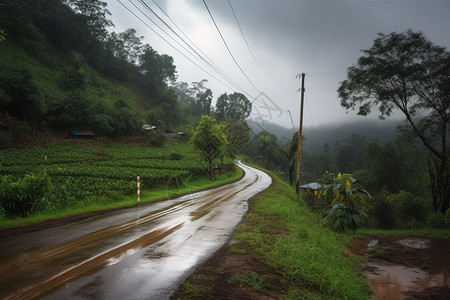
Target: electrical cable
x,y
236,86
154,31
250,50
208,61
165,40
228,48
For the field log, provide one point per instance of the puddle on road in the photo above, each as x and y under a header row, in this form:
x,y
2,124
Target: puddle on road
x,y
394,281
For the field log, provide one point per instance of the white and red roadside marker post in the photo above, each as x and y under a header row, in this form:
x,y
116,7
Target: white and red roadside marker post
x,y
138,189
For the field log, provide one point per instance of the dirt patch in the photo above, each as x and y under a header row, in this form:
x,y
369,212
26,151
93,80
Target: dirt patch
x,y
232,273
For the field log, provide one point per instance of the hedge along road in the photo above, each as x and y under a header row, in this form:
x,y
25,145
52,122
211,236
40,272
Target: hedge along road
x,y
139,253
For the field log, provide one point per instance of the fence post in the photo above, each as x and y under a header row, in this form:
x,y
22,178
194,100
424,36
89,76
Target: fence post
x,y
138,189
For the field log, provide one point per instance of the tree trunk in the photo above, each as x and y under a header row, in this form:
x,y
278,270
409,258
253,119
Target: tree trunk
x,y
439,173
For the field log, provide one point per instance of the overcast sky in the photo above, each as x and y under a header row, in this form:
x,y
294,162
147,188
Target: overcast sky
x,y
320,38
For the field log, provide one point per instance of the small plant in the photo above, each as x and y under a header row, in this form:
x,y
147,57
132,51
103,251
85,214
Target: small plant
x,y
349,201
197,291
252,279
235,250
199,286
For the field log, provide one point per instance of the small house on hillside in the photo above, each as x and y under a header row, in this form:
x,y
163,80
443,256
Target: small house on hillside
x,y
312,194
82,133
314,186
176,135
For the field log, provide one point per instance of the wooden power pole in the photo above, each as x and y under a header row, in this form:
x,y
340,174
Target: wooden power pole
x,y
300,134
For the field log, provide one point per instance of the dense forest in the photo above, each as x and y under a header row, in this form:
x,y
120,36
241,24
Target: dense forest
x,y
63,69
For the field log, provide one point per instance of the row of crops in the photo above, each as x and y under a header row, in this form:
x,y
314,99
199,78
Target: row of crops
x,y
71,175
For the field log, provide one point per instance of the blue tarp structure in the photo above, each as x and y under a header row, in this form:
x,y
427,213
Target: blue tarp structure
x,y
83,133
312,186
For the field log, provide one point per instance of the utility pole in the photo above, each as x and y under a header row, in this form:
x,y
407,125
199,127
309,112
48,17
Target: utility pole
x,y
300,134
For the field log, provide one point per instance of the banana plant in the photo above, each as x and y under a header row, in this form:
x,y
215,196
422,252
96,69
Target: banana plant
x,y
349,201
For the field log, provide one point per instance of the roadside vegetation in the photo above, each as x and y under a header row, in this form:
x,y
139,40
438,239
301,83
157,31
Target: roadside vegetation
x,y
282,250
40,183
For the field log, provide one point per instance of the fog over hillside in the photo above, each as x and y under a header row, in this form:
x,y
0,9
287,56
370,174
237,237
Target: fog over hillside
x,y
315,137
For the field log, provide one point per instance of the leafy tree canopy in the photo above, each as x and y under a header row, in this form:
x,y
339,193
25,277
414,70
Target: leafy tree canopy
x,y
406,71
233,107
210,140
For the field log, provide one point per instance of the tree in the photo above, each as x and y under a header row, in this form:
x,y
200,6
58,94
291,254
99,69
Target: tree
x,y
196,97
131,45
203,98
93,14
405,71
210,140
233,107
349,154
291,152
156,69
237,136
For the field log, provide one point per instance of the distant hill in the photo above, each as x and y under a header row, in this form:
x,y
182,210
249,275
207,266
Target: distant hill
x,y
315,137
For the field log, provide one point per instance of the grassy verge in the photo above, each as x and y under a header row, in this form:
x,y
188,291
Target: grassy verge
x,y
295,256
118,201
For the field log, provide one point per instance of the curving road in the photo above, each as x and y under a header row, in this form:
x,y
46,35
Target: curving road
x,y
138,253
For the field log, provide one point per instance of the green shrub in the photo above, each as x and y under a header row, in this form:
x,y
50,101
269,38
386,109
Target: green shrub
x,y
156,138
383,210
18,196
350,201
401,210
439,219
412,211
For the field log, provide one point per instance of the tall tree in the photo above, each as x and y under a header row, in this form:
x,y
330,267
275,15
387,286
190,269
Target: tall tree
x,y
131,45
237,135
93,17
406,71
233,107
210,140
157,69
203,98
93,13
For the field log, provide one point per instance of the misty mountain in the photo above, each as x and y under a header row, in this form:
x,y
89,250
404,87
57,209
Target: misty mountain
x,y
316,137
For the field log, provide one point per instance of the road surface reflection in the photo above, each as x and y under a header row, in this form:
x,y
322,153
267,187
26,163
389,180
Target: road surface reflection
x,y
137,253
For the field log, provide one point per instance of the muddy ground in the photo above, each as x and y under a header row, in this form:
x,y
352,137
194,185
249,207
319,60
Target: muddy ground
x,y
214,280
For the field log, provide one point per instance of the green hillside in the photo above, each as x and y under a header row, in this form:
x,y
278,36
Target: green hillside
x,y
61,69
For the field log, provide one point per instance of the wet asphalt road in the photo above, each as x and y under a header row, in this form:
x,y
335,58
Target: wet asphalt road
x,y
139,253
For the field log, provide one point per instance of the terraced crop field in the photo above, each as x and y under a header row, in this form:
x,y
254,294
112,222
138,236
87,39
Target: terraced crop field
x,y
81,173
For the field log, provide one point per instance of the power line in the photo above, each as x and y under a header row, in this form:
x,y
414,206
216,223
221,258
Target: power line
x,y
226,45
165,40
208,61
154,31
249,49
226,77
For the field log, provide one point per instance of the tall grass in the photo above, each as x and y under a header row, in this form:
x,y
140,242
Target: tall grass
x,y
308,256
